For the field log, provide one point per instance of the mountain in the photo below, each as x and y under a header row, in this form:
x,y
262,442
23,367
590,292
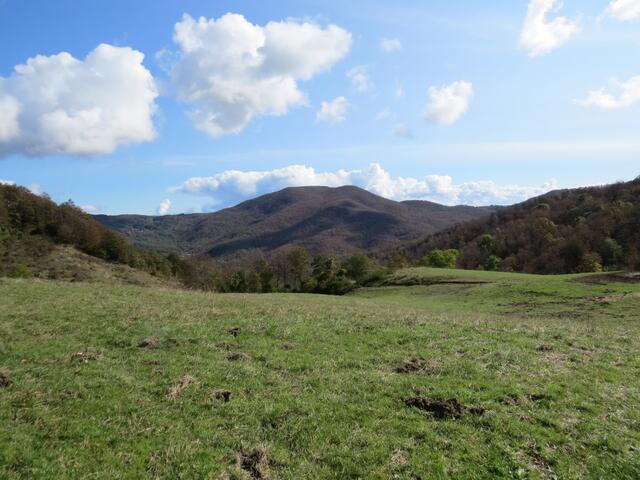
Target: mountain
x,y
322,219
566,231
40,238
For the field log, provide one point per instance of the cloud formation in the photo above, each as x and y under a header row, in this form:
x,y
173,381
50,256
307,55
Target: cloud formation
x,y
59,105
232,71
334,111
540,35
628,95
360,80
6,182
164,207
233,186
623,10
448,103
390,45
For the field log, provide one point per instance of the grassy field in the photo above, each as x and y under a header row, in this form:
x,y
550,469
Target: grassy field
x,y
302,387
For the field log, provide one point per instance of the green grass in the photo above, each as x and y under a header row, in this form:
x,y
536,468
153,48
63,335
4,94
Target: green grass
x,y
317,389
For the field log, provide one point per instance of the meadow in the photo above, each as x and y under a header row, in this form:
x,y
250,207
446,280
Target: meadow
x,y
434,374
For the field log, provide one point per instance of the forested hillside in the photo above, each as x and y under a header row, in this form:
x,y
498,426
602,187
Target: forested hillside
x,y
578,230
32,228
336,221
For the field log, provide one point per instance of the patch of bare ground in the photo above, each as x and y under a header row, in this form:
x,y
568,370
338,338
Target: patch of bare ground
x,y
237,356
84,356
256,462
613,277
617,298
181,386
413,365
5,377
149,342
222,395
450,408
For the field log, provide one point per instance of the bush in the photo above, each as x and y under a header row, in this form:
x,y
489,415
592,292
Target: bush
x,y
492,263
20,270
442,258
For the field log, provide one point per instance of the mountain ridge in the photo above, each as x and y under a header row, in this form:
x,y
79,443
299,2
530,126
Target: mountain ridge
x,y
337,220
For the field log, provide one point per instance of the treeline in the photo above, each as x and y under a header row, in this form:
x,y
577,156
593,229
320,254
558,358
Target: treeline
x,y
25,217
290,269
40,224
579,230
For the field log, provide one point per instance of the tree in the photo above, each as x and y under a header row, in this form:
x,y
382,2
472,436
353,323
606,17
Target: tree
x,y
591,262
442,258
492,263
611,252
299,262
358,267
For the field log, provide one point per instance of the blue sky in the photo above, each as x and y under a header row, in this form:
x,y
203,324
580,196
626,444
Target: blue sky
x,y
511,115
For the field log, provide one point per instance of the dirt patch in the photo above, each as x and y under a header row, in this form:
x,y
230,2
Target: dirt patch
x,y
223,395
237,356
149,342
413,365
617,298
442,408
544,348
256,462
605,278
84,357
181,386
5,377
234,331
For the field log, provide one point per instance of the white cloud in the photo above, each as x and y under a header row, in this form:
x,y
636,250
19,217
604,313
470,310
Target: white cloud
x,y
628,95
540,35
402,130
390,45
232,71
448,103
623,10
383,115
399,91
164,207
90,209
233,186
334,111
6,182
35,188
60,105
360,80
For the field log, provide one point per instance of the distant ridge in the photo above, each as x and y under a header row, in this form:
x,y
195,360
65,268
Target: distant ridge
x,y
322,219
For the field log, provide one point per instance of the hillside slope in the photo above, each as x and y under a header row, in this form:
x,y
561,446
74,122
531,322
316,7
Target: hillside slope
x,y
322,219
42,239
578,230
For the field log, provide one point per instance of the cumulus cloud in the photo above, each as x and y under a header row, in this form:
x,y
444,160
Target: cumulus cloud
x,y
90,209
628,94
164,207
623,10
541,35
448,103
6,182
59,105
233,186
390,45
402,130
334,111
360,80
232,71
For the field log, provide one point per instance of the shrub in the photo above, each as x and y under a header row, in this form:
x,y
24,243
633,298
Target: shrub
x,y
442,258
20,270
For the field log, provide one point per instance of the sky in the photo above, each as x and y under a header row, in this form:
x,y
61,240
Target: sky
x,y
164,107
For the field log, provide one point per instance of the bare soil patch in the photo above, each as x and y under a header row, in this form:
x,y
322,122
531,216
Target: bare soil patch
x,y
413,365
255,463
181,386
451,408
5,377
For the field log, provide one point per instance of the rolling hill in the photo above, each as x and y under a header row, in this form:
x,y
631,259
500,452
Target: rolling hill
x,y
322,219
565,231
